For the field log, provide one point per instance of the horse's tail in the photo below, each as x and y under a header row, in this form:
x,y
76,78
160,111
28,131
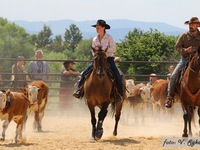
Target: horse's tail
x,y
113,108
193,118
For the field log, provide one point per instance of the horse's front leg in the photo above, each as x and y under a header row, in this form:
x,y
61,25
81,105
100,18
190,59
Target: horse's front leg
x,y
93,120
199,118
117,117
190,116
101,116
185,117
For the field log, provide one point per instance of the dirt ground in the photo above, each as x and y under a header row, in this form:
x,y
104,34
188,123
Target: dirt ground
x,y
67,127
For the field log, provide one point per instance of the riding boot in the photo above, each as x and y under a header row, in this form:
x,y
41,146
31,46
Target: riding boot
x,y
78,93
170,98
119,98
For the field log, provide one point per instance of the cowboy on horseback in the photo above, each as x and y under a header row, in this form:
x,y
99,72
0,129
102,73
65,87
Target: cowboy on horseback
x,y
186,43
103,41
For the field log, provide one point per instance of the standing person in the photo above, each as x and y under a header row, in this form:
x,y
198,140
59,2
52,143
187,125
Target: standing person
x,y
103,41
152,78
39,69
186,43
170,69
18,76
68,79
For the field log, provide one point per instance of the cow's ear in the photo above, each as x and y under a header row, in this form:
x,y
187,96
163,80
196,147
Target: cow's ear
x,y
39,89
4,91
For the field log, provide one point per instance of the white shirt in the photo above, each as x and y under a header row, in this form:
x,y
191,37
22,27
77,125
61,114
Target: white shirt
x,y
106,42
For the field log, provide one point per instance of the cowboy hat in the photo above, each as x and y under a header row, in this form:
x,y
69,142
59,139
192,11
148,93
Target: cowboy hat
x,y
66,62
193,20
20,58
117,59
101,23
153,75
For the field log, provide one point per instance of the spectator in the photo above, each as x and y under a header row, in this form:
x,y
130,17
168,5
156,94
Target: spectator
x,y
68,79
170,69
152,78
18,76
39,69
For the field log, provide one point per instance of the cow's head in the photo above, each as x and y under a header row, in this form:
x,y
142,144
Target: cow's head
x,y
145,93
3,98
32,92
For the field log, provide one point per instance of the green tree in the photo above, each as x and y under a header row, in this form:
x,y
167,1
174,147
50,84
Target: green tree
x,y
14,41
44,37
72,37
146,46
57,44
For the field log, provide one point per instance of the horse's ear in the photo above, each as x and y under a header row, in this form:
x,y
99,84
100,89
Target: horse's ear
x,y
93,49
106,49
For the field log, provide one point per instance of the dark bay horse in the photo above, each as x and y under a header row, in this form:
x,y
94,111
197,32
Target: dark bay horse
x,y
189,91
98,88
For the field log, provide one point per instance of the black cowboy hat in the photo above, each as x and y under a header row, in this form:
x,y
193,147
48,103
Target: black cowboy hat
x,y
101,23
192,20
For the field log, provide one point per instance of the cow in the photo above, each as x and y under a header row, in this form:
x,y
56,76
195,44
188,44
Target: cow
x,y
13,106
37,91
139,100
159,96
129,86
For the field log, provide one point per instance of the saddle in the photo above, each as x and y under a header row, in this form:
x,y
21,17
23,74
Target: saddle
x,y
111,75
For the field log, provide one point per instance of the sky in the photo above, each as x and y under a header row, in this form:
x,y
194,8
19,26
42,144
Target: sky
x,y
173,12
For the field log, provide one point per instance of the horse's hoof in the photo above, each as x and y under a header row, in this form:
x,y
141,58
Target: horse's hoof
x,y
115,133
185,135
98,134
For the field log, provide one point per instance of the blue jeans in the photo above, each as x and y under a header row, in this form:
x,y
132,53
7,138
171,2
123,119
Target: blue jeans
x,y
173,77
115,72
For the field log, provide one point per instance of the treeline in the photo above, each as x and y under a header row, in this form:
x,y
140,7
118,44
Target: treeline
x,y
137,45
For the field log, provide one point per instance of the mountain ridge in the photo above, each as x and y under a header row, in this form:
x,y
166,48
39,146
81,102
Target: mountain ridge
x,y
119,27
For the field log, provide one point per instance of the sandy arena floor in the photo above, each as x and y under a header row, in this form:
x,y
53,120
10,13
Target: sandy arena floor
x,y
69,128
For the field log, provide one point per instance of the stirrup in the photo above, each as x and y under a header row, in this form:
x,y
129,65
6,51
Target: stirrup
x,y
77,94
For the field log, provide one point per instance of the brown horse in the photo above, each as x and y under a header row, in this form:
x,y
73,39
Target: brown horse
x,y
98,91
189,91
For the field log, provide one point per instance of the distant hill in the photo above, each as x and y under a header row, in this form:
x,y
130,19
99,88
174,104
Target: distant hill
x,y
119,27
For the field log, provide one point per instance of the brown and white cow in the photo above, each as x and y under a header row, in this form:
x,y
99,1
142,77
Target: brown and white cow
x,y
140,101
37,92
13,106
159,96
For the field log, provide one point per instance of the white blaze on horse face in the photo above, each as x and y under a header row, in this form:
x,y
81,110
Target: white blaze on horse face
x,y
32,93
2,100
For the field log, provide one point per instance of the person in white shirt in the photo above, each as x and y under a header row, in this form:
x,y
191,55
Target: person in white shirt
x,y
105,42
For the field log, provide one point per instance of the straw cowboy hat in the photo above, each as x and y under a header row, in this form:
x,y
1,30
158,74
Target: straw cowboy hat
x,y
193,20
101,23
117,59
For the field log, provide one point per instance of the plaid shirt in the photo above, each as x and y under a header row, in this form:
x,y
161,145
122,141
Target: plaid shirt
x,y
106,42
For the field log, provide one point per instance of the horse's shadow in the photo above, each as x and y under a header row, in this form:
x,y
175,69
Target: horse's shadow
x,y
122,141
16,145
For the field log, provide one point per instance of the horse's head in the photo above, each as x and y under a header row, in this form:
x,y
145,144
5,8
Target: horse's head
x,y
198,56
100,61
194,61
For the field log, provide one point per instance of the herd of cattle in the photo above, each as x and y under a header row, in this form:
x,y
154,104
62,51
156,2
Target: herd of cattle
x,y
33,98
147,100
17,105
